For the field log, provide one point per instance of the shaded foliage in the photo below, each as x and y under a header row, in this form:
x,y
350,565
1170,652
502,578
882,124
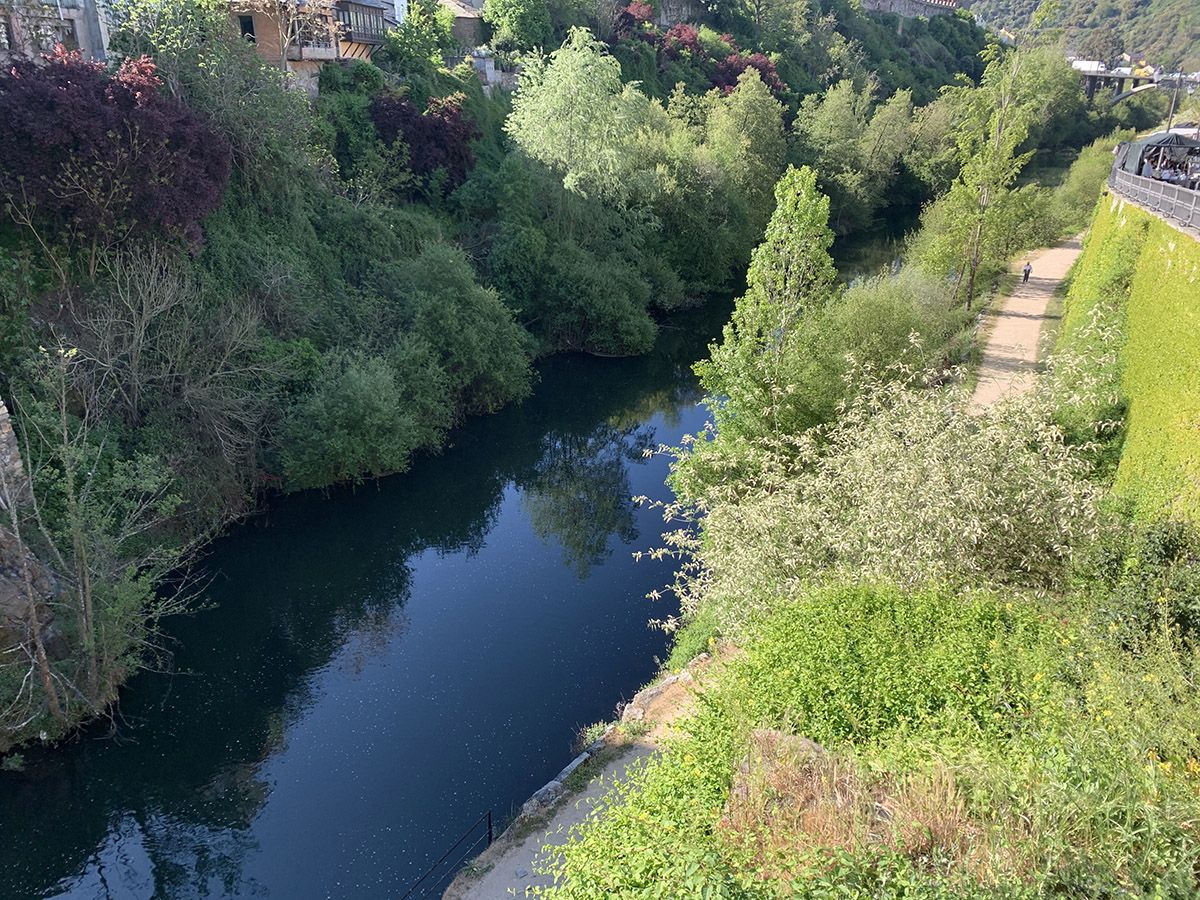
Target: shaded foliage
x,y
438,139
105,157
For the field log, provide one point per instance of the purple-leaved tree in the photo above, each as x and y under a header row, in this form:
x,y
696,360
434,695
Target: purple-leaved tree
x,y
89,159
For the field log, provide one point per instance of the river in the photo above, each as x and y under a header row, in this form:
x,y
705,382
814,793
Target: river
x,y
374,668
379,666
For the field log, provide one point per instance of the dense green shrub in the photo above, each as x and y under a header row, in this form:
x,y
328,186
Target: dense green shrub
x,y
354,425
416,48
1030,756
1143,575
873,323
1075,199
902,486
484,354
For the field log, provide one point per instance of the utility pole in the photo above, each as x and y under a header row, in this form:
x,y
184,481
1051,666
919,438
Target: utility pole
x,y
1174,95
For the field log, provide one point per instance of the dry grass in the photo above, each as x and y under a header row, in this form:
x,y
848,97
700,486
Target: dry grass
x,y
792,800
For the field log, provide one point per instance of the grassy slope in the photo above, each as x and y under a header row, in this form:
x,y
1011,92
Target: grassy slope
x,y
1011,753
1161,462
1015,747
1134,259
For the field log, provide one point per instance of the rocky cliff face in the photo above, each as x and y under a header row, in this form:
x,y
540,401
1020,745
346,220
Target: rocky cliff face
x,y
27,591
12,473
27,587
911,9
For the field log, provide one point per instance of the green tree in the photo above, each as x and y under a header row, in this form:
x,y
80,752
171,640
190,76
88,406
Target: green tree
x,y
745,138
420,43
965,230
771,23
1063,118
518,24
100,520
856,147
932,154
176,33
791,272
573,113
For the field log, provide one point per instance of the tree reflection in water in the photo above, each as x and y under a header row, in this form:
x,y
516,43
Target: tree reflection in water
x,y
579,491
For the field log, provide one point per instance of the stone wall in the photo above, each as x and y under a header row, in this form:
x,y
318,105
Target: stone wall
x,y
13,481
672,12
23,579
911,9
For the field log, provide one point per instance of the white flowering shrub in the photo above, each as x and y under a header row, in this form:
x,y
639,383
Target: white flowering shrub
x,y
907,485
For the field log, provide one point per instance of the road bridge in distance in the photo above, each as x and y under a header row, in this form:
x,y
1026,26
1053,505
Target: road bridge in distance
x,y
1096,76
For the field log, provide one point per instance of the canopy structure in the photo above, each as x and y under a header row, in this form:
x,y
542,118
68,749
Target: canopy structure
x,y
1132,154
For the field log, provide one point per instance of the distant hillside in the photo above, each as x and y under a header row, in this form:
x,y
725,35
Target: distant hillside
x,y
1161,31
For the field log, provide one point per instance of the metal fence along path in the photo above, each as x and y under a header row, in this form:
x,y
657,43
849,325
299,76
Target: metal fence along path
x,y
1168,200
437,876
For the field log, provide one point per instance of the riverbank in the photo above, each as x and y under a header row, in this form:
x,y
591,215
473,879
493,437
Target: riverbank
x,y
344,624
46,729
1006,715
522,860
516,863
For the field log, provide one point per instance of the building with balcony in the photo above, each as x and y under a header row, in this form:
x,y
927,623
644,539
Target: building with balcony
x,y
296,35
301,36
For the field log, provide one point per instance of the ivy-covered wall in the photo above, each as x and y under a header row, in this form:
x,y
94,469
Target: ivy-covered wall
x,y
1135,258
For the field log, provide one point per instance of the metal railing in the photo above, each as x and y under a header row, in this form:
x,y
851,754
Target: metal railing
x,y
1168,200
446,868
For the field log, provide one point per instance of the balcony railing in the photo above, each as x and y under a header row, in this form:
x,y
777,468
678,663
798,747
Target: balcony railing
x,y
315,41
361,24
1168,200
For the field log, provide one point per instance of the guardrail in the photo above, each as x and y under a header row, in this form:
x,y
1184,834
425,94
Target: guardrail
x,y
1168,200
444,870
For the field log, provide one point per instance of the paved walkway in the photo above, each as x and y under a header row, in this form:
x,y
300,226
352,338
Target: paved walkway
x,y
509,867
1010,356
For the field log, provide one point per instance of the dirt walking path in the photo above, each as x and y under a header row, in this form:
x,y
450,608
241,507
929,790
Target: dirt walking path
x,y
509,867
1010,355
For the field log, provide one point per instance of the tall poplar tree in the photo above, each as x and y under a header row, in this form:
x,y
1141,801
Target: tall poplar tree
x,y
790,274
968,221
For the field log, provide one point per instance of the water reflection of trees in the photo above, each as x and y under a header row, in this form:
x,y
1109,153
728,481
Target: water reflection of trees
x,y
579,493
168,809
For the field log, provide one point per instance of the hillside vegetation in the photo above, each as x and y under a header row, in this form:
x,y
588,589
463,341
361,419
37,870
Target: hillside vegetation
x,y
956,658
1163,32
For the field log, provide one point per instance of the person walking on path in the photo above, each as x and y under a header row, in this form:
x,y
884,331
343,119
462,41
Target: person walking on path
x,y
1027,270
1009,361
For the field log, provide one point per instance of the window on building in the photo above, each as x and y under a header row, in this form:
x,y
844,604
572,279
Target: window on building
x,y
246,23
67,36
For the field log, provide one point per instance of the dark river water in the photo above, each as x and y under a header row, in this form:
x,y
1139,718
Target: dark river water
x,y
376,668
380,666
